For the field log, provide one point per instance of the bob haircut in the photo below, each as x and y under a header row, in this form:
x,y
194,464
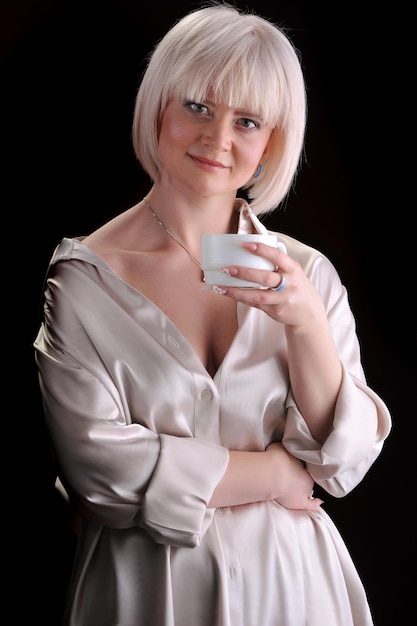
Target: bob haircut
x,y
241,60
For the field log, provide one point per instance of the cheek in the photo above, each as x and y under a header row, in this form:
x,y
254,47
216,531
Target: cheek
x,y
171,132
255,150
252,155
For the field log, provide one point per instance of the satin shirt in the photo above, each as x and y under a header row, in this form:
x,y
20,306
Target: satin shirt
x,y
141,433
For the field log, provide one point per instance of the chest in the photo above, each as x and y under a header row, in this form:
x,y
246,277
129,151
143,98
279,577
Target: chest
x,y
207,320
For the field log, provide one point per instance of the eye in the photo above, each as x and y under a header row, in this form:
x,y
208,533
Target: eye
x,y
247,123
197,107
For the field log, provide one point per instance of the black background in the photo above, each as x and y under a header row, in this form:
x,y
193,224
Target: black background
x,y
69,75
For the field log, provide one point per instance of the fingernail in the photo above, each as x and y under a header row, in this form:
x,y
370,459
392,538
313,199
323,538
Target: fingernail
x,y
214,289
219,290
230,271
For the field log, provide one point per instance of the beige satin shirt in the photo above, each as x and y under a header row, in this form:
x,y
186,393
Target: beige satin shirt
x,y
141,434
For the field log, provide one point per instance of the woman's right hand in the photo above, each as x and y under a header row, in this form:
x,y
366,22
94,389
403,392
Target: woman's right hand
x,y
271,474
294,485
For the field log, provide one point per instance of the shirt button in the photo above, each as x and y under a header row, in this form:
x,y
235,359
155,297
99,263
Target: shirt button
x,y
206,394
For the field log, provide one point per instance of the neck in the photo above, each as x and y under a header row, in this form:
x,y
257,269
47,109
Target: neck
x,y
190,216
171,234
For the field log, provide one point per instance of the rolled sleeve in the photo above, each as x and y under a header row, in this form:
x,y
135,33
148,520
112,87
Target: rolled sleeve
x,y
360,426
186,475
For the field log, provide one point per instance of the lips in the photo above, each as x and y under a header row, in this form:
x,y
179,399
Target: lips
x,y
207,163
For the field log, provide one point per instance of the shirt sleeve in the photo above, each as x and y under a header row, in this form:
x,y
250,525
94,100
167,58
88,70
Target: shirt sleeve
x,y
360,426
361,421
106,461
183,477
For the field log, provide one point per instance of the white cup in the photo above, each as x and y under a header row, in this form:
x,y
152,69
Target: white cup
x,y
220,250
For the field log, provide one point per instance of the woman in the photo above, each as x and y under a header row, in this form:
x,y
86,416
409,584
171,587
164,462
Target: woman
x,y
189,422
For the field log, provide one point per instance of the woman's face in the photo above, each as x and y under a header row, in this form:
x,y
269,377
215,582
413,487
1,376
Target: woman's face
x,y
210,147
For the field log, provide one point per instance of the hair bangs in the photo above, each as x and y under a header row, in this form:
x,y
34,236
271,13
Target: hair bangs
x,y
237,83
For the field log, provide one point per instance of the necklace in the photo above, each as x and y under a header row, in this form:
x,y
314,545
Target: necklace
x,y
158,219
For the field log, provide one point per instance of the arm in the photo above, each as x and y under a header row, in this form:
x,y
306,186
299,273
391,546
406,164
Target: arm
x,y
271,475
107,422
315,370
335,423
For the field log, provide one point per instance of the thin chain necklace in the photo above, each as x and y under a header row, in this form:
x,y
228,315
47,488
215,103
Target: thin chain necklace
x,y
158,219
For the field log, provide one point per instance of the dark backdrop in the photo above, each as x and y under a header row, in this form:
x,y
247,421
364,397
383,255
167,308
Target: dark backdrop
x,y
69,74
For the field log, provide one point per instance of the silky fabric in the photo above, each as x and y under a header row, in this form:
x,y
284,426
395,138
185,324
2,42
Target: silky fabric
x,y
141,434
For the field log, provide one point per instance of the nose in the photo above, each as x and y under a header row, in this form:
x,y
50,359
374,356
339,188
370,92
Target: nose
x,y
218,134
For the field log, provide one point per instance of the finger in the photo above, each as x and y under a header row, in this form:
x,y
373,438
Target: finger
x,y
266,279
275,255
313,504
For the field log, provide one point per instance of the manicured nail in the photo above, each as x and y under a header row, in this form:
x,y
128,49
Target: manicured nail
x,y
214,289
230,271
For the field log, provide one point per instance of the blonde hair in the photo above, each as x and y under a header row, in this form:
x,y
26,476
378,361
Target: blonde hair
x,y
243,61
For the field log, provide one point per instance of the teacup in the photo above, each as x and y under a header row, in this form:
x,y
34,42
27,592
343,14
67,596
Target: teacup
x,y
220,250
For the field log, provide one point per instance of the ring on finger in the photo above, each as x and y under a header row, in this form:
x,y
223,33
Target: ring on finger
x,y
280,285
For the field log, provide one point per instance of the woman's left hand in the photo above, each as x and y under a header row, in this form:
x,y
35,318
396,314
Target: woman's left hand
x,y
289,296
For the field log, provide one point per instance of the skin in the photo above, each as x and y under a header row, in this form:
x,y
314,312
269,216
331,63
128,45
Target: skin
x,y
208,151
230,143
